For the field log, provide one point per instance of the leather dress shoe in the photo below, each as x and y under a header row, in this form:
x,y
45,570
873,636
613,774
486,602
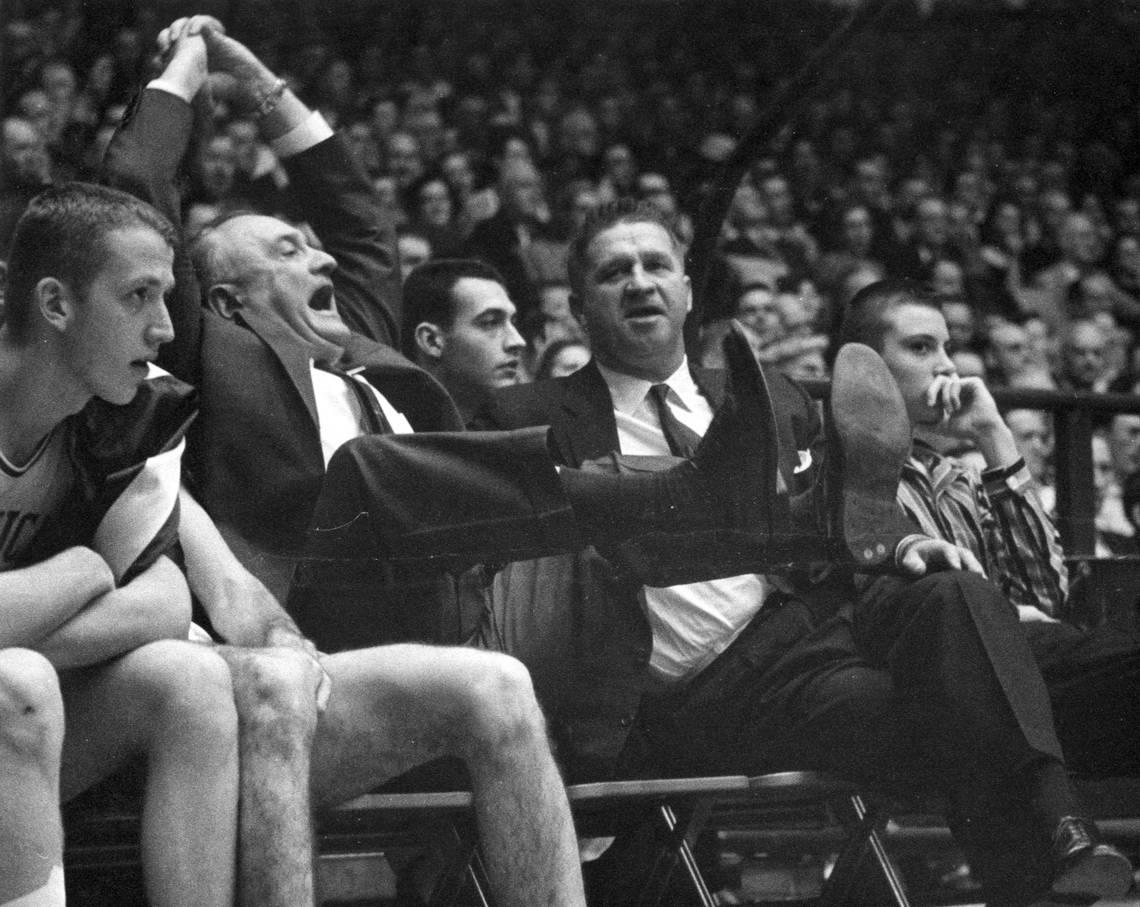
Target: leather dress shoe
x,y
1085,864
869,440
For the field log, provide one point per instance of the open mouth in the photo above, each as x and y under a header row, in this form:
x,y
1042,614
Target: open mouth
x,y
322,300
644,311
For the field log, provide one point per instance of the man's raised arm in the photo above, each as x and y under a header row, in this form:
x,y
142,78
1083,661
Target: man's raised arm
x,y
326,187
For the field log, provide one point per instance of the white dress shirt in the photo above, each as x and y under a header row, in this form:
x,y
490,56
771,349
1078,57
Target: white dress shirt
x,y
692,623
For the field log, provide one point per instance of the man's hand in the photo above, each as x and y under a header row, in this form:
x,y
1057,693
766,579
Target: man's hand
x,y
969,413
236,73
288,637
922,555
183,50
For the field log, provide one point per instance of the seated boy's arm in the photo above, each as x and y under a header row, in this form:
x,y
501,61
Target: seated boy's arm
x,y
154,605
37,600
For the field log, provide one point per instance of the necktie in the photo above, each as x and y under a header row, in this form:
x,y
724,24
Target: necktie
x,y
375,420
681,439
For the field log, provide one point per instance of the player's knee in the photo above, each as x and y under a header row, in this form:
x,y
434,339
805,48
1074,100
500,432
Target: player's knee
x,y
190,689
274,687
31,711
501,705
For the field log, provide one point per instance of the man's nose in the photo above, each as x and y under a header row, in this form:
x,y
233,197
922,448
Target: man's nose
x,y
513,339
161,329
322,262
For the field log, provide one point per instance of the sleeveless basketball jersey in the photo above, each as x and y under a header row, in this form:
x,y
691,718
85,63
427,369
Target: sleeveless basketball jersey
x,y
31,493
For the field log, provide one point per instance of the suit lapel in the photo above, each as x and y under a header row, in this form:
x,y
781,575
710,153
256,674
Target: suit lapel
x,y
291,354
587,429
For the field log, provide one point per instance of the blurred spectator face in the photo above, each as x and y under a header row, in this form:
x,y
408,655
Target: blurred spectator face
x,y
968,364
1083,354
569,359
931,222
217,166
1096,294
756,308
520,190
404,162
1025,188
414,251
1127,254
777,196
578,133
1126,214
362,146
36,107
1124,444
1033,438
1055,207
1008,349
960,323
385,117
1103,475
458,173
100,76
554,302
58,81
1007,220
23,153
795,319
654,188
969,190
583,202
435,203
619,165
243,135
910,192
946,278
516,150
1079,240
857,231
871,184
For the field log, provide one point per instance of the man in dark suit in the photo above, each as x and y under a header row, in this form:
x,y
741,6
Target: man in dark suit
x,y
914,683
329,727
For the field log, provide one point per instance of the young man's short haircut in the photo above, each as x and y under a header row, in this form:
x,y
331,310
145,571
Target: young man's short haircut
x,y
62,234
428,294
623,211
865,318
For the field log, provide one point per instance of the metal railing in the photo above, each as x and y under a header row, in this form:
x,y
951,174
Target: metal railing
x,y
1074,414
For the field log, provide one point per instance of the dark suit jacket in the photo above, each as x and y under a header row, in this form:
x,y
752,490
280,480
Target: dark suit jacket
x,y
573,620
255,454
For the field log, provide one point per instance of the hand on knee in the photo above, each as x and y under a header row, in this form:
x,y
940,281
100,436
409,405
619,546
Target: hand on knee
x,y
275,691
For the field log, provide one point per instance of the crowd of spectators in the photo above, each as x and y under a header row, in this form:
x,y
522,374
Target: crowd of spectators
x,y
989,152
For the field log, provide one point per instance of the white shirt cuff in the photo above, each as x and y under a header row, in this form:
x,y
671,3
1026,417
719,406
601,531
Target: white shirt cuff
x,y
170,88
313,130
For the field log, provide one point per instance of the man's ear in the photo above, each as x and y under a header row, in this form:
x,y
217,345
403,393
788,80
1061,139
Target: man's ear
x,y
223,300
54,302
429,339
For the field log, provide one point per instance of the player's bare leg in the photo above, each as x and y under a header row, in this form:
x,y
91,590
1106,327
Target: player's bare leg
x,y
171,702
277,714
31,734
396,707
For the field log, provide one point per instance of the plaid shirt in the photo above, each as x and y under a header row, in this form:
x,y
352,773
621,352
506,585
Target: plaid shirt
x,y
997,515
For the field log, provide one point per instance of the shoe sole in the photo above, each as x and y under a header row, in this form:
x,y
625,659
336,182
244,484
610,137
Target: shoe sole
x,y
1104,873
871,434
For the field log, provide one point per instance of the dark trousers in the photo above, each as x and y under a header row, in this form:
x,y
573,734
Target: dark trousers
x,y
924,686
403,523
1093,677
